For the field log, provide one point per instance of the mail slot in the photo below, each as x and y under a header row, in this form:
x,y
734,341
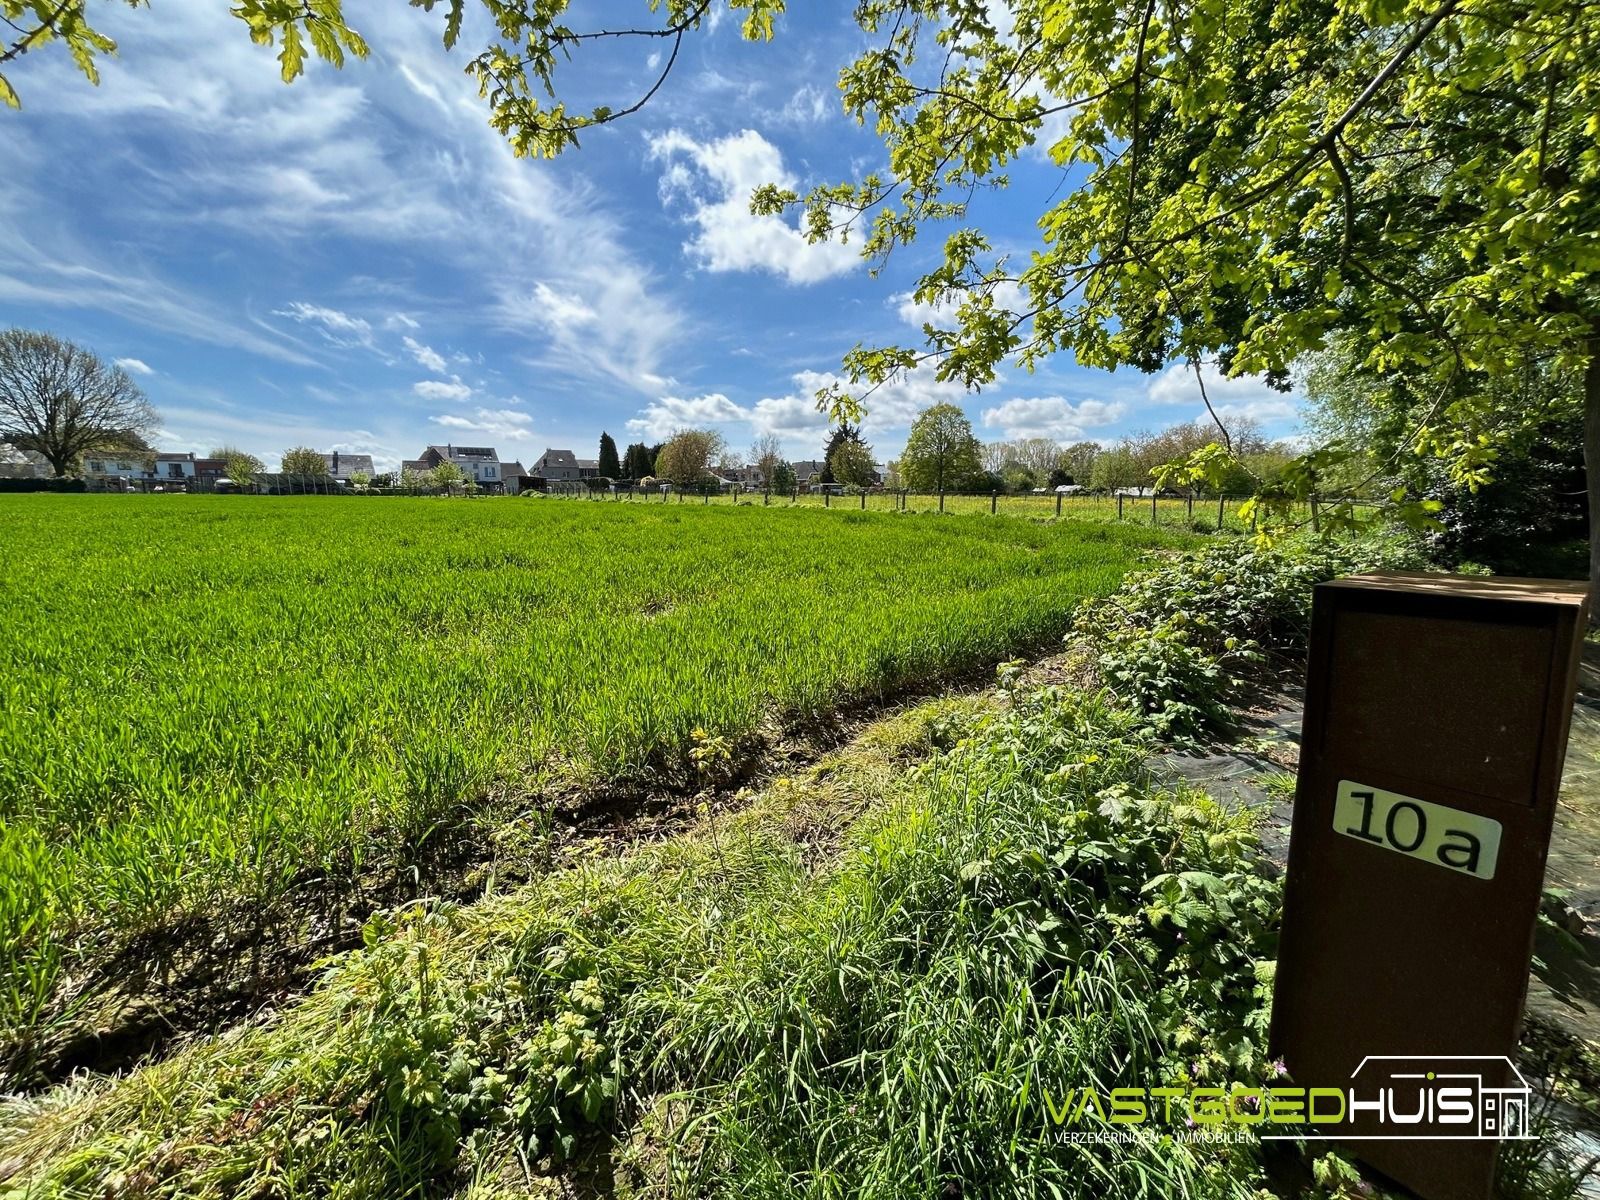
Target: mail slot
x,y
1435,730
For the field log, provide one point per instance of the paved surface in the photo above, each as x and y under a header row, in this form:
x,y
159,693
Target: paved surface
x,y
1565,987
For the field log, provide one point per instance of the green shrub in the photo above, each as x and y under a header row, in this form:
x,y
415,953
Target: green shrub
x,y
1180,642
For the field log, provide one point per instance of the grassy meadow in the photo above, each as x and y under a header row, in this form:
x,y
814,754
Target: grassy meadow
x,y
1169,512
222,713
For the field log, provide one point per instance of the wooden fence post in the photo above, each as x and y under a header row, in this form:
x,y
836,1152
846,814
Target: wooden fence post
x,y
1058,506
1191,506
941,499
1119,506
1221,500
827,498
994,501
1152,510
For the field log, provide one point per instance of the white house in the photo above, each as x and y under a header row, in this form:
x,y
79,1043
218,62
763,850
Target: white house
x,y
478,463
125,465
175,468
170,467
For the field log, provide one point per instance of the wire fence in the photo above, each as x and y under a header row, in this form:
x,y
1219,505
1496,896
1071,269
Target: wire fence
x,y
1197,513
1201,514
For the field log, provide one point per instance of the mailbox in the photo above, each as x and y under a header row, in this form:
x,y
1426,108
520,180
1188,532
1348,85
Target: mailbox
x,y
1436,720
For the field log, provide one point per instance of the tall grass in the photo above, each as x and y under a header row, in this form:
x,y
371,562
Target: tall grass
x,y
731,1014
222,713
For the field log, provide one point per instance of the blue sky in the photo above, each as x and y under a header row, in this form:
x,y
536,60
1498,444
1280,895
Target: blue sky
x,y
357,262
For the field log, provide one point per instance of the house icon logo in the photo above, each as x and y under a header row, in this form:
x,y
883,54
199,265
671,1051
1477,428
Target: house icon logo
x,y
1440,1097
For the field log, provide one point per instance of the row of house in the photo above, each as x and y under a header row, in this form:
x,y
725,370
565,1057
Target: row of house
x,y
186,470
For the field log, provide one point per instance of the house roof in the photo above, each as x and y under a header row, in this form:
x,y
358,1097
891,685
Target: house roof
x,y
511,470
564,458
590,464
11,456
487,453
810,466
174,456
348,463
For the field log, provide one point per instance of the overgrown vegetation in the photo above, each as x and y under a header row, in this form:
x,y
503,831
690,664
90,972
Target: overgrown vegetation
x,y
1183,642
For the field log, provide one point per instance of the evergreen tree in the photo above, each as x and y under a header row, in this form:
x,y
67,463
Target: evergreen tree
x,y
609,466
845,432
782,478
638,462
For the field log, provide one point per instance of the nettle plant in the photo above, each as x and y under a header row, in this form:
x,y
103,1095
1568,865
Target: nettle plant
x,y
1183,642
466,1061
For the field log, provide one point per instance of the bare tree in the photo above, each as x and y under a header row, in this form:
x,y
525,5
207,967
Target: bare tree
x,y
62,401
766,452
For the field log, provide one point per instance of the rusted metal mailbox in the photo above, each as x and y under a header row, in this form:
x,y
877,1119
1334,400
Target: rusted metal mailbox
x,y
1435,729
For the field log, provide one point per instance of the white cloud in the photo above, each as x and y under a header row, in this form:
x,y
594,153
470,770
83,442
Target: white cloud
x,y
426,356
661,418
941,314
339,328
67,277
789,417
504,424
1050,416
439,389
1248,396
713,181
808,106
135,366
392,154
559,310
895,404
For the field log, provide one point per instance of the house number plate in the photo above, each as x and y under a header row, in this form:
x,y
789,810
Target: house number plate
x,y
1445,837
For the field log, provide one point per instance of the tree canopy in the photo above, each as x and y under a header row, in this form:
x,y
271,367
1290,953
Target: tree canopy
x,y
941,452
302,462
851,464
688,455
638,463
241,467
62,401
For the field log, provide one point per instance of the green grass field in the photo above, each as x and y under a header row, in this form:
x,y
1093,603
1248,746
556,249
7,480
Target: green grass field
x,y
221,708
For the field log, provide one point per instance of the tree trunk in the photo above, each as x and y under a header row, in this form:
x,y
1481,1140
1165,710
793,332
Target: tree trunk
x,y
1591,465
